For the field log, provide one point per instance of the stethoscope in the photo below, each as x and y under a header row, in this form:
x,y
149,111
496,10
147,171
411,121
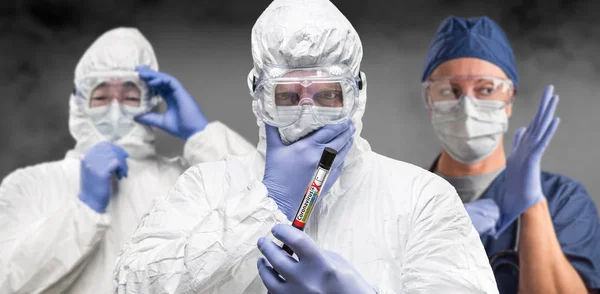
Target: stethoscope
x,y
507,261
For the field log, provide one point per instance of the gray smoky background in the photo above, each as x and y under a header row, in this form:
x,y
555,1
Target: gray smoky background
x,y
206,45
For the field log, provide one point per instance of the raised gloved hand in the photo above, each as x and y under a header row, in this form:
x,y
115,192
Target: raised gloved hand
x,y
484,215
183,117
289,168
97,167
523,172
316,271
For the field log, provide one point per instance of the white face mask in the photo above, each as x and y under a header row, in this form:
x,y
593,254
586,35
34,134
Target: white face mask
x,y
471,129
113,125
306,124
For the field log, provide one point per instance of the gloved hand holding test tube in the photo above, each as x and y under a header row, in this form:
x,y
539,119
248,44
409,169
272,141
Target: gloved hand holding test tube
x,y
310,271
313,191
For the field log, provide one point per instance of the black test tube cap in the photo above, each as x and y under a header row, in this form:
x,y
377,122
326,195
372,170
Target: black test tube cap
x,y
327,157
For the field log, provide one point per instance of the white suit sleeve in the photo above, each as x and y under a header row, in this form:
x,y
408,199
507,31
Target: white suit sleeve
x,y
202,237
214,143
443,253
44,237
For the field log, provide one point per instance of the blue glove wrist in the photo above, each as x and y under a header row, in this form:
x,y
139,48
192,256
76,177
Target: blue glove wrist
x,y
527,201
201,125
484,215
512,213
283,202
91,203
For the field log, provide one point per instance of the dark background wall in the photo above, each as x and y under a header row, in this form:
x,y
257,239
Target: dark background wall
x,y
206,44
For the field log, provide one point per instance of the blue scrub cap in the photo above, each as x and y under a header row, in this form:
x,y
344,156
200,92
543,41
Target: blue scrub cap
x,y
478,37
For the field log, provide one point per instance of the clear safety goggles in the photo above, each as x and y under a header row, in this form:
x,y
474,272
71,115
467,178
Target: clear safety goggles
x,y
282,96
96,93
491,91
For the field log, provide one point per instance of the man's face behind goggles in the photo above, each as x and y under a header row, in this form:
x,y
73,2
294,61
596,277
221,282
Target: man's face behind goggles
x,y
282,95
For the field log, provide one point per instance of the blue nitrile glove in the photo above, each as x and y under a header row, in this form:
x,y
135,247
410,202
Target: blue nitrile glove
x,y
289,168
97,167
183,117
523,173
484,215
316,271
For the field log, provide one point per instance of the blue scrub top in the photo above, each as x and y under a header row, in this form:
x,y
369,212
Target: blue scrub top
x,y
576,224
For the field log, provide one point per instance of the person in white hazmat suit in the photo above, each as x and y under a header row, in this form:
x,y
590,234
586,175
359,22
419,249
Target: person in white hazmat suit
x,y
63,223
380,225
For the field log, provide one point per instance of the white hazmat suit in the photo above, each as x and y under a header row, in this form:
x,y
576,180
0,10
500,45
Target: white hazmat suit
x,y
50,241
403,228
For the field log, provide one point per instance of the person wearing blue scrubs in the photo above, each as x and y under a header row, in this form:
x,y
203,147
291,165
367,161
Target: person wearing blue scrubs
x,y
541,230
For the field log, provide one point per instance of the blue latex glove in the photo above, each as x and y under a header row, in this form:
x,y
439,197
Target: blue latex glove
x,y
183,117
316,271
289,168
97,168
523,172
484,215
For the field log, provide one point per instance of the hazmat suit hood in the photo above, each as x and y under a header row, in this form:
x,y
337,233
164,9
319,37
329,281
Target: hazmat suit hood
x,y
308,33
120,49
